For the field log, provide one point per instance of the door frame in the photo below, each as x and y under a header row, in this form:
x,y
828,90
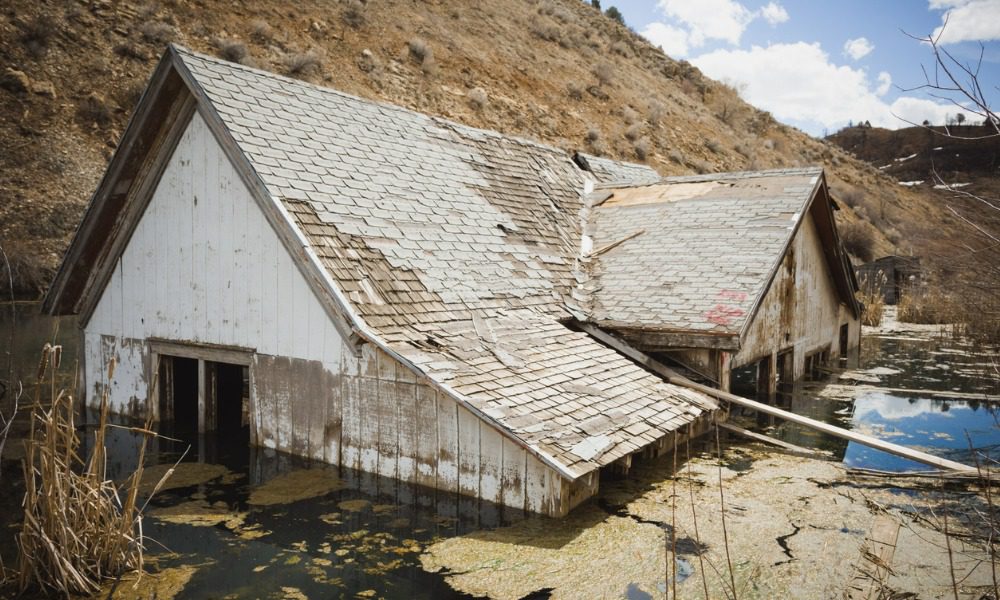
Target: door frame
x,y
204,354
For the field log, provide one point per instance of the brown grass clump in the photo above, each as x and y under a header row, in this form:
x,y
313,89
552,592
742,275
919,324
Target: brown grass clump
x,y
928,307
858,239
302,64
79,529
870,296
232,50
157,32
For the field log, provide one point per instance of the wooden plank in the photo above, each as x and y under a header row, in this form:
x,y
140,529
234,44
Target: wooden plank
x,y
447,426
933,393
233,355
512,476
537,493
387,413
350,436
674,378
490,463
409,445
468,453
426,431
369,419
202,400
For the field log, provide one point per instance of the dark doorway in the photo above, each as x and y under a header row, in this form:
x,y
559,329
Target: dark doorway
x,y
785,369
179,392
844,341
231,397
225,395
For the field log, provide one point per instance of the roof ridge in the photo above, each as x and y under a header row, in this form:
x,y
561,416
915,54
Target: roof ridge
x,y
745,174
441,121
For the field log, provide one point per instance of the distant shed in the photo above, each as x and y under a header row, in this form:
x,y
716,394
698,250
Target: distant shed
x,y
889,276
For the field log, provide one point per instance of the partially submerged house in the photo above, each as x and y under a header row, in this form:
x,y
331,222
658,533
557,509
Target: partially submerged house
x,y
379,289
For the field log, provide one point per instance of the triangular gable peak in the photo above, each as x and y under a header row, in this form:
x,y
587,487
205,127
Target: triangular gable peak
x,y
686,262
451,249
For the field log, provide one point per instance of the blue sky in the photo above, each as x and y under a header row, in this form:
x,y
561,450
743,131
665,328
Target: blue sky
x,y
819,65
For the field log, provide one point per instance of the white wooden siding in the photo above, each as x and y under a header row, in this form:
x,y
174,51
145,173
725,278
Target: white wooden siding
x,y
812,315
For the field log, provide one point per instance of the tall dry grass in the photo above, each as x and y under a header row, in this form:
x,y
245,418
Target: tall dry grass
x,y
80,529
870,296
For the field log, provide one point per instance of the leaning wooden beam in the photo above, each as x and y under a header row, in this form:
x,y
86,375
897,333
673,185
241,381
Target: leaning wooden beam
x,y
671,376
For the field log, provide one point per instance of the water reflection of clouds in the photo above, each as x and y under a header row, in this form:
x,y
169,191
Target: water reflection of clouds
x,y
891,407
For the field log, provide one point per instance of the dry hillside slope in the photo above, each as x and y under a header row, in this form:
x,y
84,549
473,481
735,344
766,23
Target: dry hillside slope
x,y
555,70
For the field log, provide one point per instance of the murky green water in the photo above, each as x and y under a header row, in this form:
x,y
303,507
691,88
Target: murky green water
x,y
359,535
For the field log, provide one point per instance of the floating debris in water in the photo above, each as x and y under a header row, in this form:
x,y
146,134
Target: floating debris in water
x,y
294,486
167,584
186,474
353,505
293,593
198,513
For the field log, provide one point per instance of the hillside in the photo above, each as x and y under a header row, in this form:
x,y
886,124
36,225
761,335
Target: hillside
x,y
556,71
956,168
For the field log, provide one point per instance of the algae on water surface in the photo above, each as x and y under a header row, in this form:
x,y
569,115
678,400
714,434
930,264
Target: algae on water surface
x,y
296,485
795,528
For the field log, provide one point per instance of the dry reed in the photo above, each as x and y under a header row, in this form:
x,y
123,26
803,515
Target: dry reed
x,y
79,529
870,295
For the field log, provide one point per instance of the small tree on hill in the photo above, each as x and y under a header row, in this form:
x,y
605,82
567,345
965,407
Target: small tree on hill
x,y
596,4
615,14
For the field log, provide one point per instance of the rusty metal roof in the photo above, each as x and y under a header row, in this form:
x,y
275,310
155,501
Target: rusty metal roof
x,y
695,253
456,248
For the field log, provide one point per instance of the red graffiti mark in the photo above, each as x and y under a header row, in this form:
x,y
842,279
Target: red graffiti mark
x,y
733,295
721,314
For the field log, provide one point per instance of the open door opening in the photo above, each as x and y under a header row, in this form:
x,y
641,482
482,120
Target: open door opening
x,y
200,396
785,370
231,391
179,392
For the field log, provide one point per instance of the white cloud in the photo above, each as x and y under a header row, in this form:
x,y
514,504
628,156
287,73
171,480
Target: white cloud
x,y
798,83
774,13
709,19
967,20
673,40
884,83
892,408
858,48
693,24
917,110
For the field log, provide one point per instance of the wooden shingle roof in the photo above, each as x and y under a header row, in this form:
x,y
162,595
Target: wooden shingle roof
x,y
456,249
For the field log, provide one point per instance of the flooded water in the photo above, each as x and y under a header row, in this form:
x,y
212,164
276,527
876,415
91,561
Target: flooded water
x,y
241,522
266,525
922,363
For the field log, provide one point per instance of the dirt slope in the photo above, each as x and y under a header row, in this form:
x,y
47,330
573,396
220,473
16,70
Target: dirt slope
x,y
557,71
